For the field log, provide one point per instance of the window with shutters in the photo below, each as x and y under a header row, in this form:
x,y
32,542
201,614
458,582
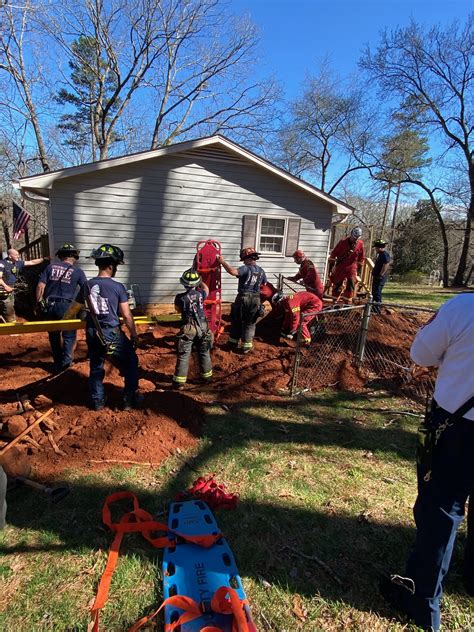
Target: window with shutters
x,y
272,233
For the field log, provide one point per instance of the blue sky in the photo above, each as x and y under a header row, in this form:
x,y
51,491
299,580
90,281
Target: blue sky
x,y
297,34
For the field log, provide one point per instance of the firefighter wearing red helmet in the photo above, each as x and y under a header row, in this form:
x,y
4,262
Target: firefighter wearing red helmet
x,y
307,274
345,263
297,308
247,305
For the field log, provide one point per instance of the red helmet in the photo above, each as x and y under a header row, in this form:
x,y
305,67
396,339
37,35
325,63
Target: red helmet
x,y
298,253
249,253
267,290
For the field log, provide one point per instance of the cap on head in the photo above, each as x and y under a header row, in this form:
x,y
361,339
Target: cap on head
x,y
249,253
68,250
356,233
108,252
298,254
380,243
190,278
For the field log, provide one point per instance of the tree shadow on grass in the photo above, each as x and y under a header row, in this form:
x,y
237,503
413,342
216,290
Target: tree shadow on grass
x,y
270,539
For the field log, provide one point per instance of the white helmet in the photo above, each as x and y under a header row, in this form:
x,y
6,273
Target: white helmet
x,y
356,233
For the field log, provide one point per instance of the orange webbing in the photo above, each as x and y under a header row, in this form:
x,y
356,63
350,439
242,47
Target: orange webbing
x,y
192,610
137,520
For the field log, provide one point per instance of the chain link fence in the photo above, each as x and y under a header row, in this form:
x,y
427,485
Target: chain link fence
x,y
386,355
335,335
354,346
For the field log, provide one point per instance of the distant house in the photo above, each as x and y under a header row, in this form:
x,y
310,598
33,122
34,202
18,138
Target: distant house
x,y
157,204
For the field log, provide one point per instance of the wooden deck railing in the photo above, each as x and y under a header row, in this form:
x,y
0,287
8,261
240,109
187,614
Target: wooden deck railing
x,y
36,249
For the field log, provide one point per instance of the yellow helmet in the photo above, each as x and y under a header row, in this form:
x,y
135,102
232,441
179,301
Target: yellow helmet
x,y
190,278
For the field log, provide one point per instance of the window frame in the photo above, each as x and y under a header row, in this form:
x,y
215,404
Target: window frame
x,y
259,235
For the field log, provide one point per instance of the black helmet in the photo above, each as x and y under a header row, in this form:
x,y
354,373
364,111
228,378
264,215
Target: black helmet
x,y
190,278
107,251
380,243
68,250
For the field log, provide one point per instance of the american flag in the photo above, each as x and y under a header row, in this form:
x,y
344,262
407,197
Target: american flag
x,y
20,220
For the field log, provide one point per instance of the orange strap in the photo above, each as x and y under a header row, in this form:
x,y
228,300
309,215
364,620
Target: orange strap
x,y
192,610
136,521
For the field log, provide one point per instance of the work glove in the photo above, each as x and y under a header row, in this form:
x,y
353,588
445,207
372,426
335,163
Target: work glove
x,y
40,308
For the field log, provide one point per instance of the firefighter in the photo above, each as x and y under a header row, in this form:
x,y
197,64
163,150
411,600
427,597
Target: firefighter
x,y
10,268
345,264
297,308
194,328
444,462
379,273
247,306
307,273
59,285
107,299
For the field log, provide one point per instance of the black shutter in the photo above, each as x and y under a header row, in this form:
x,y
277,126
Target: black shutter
x,y
249,231
293,236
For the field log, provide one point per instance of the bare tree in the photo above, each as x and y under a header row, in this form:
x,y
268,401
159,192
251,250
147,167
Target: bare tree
x,y
14,31
329,131
188,61
431,72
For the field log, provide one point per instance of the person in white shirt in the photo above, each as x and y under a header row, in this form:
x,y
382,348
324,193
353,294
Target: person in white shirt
x,y
445,461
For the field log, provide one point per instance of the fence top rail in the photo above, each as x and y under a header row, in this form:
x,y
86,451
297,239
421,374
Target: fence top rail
x,y
412,308
334,310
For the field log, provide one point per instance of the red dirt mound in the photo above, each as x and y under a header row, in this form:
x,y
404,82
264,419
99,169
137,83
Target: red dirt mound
x,y
171,420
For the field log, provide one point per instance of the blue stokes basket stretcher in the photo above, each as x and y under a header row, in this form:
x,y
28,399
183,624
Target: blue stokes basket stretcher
x,y
196,572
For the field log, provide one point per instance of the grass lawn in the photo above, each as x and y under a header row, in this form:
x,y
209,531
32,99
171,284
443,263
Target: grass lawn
x,y
328,477
418,295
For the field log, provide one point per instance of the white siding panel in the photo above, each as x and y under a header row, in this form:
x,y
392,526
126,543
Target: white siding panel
x,y
156,211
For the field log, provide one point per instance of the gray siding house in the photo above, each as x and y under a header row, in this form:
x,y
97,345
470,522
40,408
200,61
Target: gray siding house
x,y
156,205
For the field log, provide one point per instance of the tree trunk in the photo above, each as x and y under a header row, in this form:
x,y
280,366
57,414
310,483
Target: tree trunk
x,y
385,212
461,269
6,232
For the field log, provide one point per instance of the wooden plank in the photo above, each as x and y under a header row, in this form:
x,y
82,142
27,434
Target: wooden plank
x,y
26,432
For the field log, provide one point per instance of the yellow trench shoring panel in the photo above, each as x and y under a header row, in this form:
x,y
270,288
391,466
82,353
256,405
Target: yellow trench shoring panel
x,y
38,326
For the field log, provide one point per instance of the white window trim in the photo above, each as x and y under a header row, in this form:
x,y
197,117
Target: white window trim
x,y
285,235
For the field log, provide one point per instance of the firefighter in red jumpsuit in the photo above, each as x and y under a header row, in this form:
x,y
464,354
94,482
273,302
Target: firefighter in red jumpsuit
x,y
345,263
307,274
297,307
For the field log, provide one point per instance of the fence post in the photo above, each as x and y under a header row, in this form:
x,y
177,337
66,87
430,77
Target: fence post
x,y
296,363
364,328
280,283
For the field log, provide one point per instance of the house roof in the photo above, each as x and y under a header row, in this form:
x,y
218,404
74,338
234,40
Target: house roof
x,y
41,184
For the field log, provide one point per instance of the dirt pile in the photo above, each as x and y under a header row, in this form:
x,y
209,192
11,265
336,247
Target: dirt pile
x,y
171,421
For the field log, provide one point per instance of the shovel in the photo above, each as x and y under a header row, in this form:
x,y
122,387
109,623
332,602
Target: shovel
x,y
55,493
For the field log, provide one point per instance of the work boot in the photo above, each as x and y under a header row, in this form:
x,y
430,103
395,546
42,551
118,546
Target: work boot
x,y
178,386
133,402
398,592
98,404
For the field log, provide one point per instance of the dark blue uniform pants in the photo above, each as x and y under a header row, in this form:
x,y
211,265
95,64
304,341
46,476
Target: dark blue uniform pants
x,y
122,353
243,319
62,342
438,511
377,287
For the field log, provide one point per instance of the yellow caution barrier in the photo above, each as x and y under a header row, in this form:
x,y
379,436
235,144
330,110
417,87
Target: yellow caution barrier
x,y
39,326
